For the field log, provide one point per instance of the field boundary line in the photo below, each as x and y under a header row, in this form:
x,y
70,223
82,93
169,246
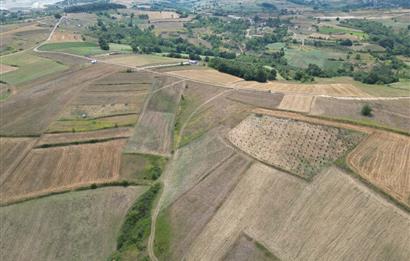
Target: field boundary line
x,y
75,143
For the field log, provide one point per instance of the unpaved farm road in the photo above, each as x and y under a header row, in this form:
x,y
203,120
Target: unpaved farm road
x,y
156,210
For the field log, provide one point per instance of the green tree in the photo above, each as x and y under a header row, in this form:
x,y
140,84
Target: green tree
x,y
367,110
103,44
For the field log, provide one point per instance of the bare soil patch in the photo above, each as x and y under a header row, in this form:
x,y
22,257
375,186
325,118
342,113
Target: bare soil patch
x,y
60,168
299,103
4,68
65,37
73,226
298,147
384,160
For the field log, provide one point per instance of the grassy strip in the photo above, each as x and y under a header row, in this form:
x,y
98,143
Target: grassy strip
x,y
90,141
118,183
132,241
163,237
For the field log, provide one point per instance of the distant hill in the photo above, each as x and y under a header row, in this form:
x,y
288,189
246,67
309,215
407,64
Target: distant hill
x,y
334,4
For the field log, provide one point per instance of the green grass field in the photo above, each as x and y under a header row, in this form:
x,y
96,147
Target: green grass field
x,y
339,30
83,48
30,67
325,58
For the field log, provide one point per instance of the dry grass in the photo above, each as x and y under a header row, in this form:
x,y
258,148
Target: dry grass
x,y
4,68
192,163
298,103
333,89
207,76
298,147
12,151
390,113
384,160
190,213
60,168
30,111
73,226
257,98
332,218
141,60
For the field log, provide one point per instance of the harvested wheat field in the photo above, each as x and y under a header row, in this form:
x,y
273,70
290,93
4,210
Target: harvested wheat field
x,y
189,214
60,168
73,226
12,151
193,163
257,98
207,76
332,218
298,147
298,103
4,68
384,160
48,140
141,60
388,113
333,89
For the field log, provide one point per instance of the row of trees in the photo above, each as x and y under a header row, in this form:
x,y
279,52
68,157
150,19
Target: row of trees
x,y
249,72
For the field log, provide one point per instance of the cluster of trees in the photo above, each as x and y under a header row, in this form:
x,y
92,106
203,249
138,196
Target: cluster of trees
x,y
379,74
92,7
259,43
394,43
247,71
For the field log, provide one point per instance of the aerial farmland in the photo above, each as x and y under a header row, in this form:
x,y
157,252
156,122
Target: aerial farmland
x,y
202,130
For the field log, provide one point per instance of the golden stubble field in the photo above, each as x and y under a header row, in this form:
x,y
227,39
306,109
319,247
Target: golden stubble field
x,y
384,160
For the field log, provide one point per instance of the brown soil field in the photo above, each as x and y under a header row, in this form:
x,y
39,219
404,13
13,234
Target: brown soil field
x,y
167,26
60,168
30,111
333,89
384,160
332,218
246,248
4,68
65,37
298,147
257,98
192,211
192,164
80,225
299,103
12,151
207,76
77,22
83,137
158,15
390,113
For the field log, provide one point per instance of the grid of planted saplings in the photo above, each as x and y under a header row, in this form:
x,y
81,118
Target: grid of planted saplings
x,y
298,147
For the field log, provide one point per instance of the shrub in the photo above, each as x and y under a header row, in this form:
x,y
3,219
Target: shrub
x,y
367,110
93,186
